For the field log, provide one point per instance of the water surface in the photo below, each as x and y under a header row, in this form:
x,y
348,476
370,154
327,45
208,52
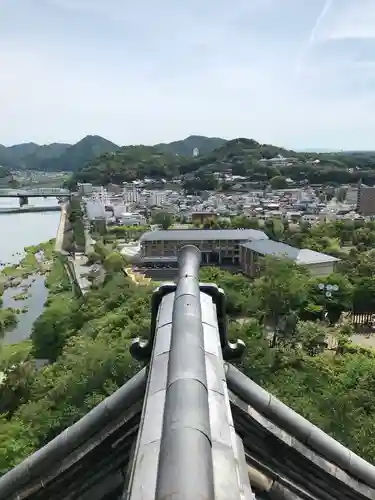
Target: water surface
x,y
21,230
37,295
17,232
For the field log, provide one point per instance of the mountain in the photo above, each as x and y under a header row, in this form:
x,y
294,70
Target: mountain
x,y
128,164
186,146
71,157
243,157
28,155
19,151
42,153
56,156
162,161
6,157
77,155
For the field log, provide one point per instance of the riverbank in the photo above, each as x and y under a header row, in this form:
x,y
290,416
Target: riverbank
x,y
23,292
62,228
37,260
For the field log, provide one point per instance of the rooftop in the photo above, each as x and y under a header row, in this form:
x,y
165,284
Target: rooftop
x,y
204,234
95,210
300,256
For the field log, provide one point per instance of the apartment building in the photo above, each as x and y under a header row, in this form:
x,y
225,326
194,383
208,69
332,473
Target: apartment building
x,y
218,246
366,200
130,195
85,188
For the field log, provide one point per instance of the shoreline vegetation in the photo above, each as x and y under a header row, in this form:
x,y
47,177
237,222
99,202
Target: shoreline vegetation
x,y
37,260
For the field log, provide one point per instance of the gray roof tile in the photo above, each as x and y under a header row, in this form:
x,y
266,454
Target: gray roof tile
x,y
300,256
204,234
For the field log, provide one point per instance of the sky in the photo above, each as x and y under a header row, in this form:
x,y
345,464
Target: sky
x,y
294,73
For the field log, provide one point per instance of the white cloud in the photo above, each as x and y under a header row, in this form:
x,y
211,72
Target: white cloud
x,y
320,20
351,19
151,71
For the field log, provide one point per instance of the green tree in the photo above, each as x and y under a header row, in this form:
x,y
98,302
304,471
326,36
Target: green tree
x,y
93,258
114,262
16,442
243,222
52,329
278,182
8,320
335,302
311,336
280,291
364,295
163,219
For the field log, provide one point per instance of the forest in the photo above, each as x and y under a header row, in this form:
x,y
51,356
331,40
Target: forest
x,y
282,316
243,157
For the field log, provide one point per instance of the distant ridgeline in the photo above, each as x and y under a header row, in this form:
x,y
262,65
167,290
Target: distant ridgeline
x,y
99,161
242,157
70,157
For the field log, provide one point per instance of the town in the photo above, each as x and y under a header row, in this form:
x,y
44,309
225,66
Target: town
x,y
187,263
228,227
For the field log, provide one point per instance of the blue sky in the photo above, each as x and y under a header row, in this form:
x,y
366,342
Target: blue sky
x,y
296,73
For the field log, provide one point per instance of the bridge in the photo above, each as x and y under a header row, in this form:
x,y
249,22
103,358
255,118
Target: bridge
x,y
25,194
189,425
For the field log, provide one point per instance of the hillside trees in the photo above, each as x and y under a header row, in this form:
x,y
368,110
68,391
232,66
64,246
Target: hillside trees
x,y
88,341
242,156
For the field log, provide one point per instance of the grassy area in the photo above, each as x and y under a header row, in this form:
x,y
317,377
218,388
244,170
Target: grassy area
x,y
8,320
15,353
14,271
58,279
30,263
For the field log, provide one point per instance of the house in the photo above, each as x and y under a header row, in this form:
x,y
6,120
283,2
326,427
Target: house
x,y
202,217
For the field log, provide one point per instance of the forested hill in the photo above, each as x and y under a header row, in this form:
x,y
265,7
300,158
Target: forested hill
x,y
71,157
244,157
74,157
186,146
56,156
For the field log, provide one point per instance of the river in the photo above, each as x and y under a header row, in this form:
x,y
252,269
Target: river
x,y
19,231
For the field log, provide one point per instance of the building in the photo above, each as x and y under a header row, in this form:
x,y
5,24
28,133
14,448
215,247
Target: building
x,y
130,219
366,200
130,195
95,210
86,189
156,199
218,246
96,214
202,217
101,196
319,264
351,195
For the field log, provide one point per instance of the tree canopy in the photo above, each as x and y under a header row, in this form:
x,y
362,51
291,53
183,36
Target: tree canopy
x,y
280,315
